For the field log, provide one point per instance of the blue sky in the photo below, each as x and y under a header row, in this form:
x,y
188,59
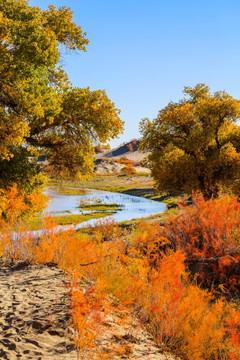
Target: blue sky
x,y
143,52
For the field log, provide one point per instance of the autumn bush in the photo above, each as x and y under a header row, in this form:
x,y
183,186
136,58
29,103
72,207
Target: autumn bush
x,y
192,322
129,170
17,209
208,232
181,316
16,206
125,161
146,272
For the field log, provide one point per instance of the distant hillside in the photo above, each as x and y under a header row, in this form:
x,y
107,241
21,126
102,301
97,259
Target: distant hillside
x,y
107,160
123,149
131,146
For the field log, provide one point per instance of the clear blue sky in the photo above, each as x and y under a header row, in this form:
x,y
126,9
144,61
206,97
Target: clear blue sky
x,y
143,52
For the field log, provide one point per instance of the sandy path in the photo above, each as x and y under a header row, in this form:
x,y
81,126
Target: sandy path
x,y
33,314
34,321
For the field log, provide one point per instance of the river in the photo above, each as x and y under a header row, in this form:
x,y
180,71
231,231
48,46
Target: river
x,y
133,207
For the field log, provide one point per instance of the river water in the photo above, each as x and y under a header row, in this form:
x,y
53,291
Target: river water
x,y
133,207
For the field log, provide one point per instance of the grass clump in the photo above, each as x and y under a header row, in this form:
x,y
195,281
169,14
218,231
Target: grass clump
x,y
69,191
101,207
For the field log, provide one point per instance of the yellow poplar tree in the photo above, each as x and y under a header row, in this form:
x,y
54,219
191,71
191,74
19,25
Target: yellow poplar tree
x,y
194,144
39,108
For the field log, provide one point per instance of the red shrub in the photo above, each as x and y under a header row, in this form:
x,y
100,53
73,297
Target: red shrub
x,y
208,233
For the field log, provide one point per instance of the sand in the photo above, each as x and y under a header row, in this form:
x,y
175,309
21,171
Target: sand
x,y
123,330
34,314
35,324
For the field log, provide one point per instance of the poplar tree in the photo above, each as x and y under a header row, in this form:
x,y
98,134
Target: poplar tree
x,y
194,144
39,107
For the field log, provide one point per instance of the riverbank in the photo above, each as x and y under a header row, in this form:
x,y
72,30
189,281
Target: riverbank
x,y
70,219
111,182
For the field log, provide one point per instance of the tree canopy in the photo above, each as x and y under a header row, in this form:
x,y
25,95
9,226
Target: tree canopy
x,y
194,144
39,108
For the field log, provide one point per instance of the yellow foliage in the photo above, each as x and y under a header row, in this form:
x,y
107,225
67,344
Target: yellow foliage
x,y
194,143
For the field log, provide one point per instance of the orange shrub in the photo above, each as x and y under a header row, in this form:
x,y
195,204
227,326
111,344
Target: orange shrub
x,y
105,230
125,161
183,316
88,313
16,209
208,232
129,170
15,206
145,271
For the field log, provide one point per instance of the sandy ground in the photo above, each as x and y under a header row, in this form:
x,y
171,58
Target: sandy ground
x,y
106,167
124,334
103,166
34,320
